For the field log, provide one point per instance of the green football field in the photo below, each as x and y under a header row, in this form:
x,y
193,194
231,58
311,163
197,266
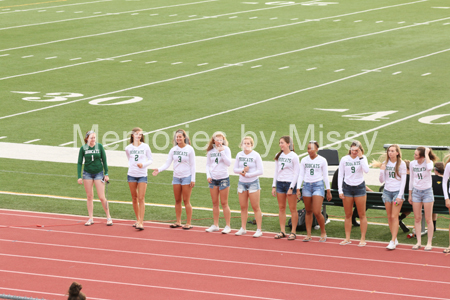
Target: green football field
x,y
331,71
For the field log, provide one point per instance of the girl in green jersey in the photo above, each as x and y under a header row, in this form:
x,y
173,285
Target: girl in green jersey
x,y
94,162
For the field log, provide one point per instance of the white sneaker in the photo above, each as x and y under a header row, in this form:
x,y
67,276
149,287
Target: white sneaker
x,y
258,233
226,230
317,227
396,242
213,228
241,231
391,245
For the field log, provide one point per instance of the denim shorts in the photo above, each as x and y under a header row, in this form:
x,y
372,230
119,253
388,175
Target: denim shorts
x,y
354,190
182,181
389,197
283,187
137,179
313,189
425,196
89,176
221,183
251,187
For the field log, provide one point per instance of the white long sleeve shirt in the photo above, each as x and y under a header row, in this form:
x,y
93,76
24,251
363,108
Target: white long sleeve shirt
x,y
420,175
141,154
445,187
313,170
217,163
351,171
253,161
392,182
286,169
183,162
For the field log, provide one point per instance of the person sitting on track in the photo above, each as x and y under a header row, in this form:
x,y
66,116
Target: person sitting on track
x,y
314,173
218,159
94,162
183,157
284,185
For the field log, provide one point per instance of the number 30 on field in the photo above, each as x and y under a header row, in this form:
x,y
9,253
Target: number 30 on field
x,y
63,96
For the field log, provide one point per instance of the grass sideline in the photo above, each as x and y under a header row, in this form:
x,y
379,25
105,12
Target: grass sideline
x,y
60,179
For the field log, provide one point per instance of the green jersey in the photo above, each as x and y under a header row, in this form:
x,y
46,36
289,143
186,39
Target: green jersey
x,y
94,159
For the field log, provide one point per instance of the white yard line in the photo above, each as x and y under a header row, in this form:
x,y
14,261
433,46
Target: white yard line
x,y
217,37
203,18
227,66
105,15
310,88
128,12
56,6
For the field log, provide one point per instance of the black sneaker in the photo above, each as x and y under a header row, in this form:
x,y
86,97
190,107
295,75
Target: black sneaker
x,y
403,226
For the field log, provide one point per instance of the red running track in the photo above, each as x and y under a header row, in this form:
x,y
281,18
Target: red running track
x,y
47,252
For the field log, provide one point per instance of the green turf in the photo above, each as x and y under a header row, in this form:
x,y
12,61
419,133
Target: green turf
x,y
327,49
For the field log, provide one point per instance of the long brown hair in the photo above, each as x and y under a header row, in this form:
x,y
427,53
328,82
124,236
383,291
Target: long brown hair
x,y
186,138
136,129
216,134
432,156
288,140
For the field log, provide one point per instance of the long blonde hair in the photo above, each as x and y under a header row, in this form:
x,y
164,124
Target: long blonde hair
x,y
217,134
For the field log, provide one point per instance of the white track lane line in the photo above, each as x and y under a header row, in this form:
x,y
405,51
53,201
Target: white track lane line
x,y
127,238
84,279
182,21
44,293
227,262
224,262
221,275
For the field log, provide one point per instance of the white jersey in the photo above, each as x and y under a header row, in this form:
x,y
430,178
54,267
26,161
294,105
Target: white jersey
x,y
445,181
217,163
183,162
393,183
141,154
253,161
313,170
420,175
351,171
286,169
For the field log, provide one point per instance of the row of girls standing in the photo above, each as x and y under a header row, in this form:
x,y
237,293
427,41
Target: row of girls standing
x,y
248,165
289,174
